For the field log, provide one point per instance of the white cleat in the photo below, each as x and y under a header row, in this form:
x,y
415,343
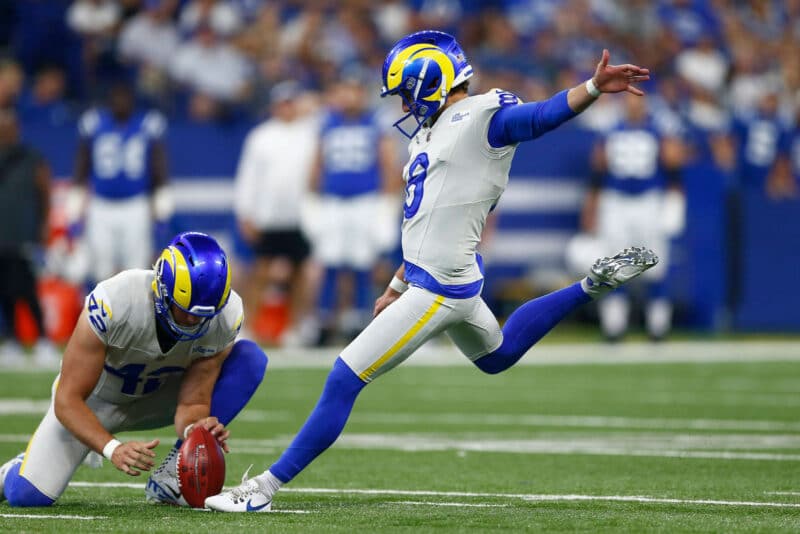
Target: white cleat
x,y
4,469
162,486
246,497
609,273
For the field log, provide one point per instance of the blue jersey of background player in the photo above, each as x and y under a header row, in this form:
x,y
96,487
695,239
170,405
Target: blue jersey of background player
x,y
121,164
121,152
632,156
784,181
349,160
758,140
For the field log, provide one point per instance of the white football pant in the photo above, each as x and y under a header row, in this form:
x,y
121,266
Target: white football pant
x,y
119,235
53,453
414,318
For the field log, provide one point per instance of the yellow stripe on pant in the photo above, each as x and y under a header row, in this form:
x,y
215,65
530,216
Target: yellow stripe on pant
x,y
429,313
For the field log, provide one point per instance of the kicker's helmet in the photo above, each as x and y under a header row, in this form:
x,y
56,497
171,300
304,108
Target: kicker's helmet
x,y
193,274
422,68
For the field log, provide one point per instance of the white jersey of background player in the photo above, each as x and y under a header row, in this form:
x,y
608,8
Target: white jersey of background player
x,y
151,348
460,154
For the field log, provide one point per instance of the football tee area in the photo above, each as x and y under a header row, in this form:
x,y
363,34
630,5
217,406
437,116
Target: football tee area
x,y
681,436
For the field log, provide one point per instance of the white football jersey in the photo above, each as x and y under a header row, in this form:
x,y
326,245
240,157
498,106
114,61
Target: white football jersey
x,y
121,312
453,180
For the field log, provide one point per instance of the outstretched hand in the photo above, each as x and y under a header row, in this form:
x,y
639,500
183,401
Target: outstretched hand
x,y
617,78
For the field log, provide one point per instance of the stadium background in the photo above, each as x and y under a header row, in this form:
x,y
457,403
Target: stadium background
x,y
712,60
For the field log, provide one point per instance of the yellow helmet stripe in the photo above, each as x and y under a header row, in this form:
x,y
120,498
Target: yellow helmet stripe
x,y
395,74
182,292
448,72
227,288
166,256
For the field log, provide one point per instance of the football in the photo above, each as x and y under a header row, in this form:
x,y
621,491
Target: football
x,y
201,467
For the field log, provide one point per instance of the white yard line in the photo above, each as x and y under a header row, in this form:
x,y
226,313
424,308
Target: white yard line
x,y
530,497
126,485
580,421
444,354
791,493
453,504
58,516
712,446
24,406
758,447
655,445
707,455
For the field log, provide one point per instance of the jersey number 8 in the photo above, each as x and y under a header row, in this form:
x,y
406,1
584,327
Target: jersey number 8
x,y
417,172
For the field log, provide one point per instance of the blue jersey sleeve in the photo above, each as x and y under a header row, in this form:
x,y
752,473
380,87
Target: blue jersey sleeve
x,y
514,124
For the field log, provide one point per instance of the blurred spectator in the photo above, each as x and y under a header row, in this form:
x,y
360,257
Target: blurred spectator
x,y
354,173
751,78
94,17
784,182
703,65
392,18
259,42
531,16
444,15
149,40
763,19
122,165
45,102
11,82
260,39
636,198
97,22
759,138
271,183
43,37
210,67
222,17
24,208
689,20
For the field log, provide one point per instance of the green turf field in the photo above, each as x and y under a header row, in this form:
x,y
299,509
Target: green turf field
x,y
631,446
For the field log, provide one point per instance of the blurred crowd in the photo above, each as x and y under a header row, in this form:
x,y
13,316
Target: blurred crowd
x,y
714,62
208,59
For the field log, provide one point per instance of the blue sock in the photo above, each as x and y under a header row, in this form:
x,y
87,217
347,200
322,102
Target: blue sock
x,y
20,492
529,323
324,424
362,280
327,294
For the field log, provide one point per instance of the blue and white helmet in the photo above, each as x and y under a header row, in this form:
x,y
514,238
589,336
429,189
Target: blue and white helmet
x,y
193,274
422,68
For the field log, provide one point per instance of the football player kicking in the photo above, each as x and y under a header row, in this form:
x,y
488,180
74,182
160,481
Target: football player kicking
x,y
460,154
151,348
